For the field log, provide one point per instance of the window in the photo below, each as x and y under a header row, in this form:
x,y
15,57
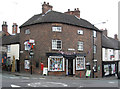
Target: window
x,y
80,63
56,63
57,29
80,45
8,48
80,32
56,44
95,65
106,53
95,48
27,31
94,34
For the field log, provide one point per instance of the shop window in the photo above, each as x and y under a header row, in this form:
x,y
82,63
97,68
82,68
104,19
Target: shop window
x,y
55,63
56,29
95,65
80,45
56,44
80,63
80,32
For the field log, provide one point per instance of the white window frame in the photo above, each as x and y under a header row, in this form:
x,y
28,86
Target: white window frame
x,y
94,33
57,29
55,45
80,45
63,63
27,31
77,63
80,32
8,48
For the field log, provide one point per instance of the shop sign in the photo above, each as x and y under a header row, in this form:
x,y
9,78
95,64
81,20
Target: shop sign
x,y
31,41
71,49
45,71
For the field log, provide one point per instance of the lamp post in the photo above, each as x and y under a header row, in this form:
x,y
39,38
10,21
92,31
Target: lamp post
x,y
31,56
94,44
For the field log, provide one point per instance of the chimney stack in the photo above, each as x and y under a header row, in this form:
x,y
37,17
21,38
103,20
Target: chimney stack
x,y
76,12
115,37
14,29
5,28
46,7
104,31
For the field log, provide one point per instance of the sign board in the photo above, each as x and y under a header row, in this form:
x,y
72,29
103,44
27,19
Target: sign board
x,y
31,41
45,71
27,64
88,72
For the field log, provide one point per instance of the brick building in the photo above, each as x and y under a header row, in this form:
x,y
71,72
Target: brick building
x,y
62,42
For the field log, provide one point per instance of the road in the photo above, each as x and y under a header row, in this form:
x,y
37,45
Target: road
x,y
9,80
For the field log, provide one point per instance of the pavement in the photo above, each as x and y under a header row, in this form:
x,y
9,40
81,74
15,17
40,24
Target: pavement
x,y
57,77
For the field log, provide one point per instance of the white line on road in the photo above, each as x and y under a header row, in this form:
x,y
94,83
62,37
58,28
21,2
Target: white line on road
x,y
41,78
14,85
25,78
111,82
65,85
14,77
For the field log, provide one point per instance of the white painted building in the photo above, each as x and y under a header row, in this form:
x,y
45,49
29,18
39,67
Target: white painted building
x,y
110,55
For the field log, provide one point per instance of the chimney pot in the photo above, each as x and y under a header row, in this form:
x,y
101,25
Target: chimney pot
x,y
48,3
75,9
68,9
44,2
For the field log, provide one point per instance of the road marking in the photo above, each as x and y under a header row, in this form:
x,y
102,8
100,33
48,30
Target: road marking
x,y
81,86
65,85
14,77
14,85
25,78
41,78
111,82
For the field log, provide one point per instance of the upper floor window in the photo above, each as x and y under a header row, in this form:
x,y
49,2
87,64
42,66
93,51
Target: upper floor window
x,y
8,48
57,29
27,31
80,32
94,34
95,48
56,44
80,45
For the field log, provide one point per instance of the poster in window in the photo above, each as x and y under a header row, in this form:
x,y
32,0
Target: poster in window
x,y
56,64
27,64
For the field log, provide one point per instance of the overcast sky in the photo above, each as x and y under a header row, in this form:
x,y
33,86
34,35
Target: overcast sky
x,y
95,11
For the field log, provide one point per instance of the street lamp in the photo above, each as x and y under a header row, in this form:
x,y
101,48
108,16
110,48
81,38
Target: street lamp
x,y
31,56
94,44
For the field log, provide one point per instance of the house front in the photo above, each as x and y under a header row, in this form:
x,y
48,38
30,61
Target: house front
x,y
63,43
110,55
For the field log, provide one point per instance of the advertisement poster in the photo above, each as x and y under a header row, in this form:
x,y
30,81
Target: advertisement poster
x,y
27,64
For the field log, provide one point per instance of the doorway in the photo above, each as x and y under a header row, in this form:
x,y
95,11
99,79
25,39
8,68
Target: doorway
x,y
70,67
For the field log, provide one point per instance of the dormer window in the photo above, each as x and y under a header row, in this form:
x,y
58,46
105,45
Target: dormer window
x,y
57,29
80,32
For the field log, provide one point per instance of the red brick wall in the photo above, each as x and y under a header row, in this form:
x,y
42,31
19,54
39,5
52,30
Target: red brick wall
x,y
43,35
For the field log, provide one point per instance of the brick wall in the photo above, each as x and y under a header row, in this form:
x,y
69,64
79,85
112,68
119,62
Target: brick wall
x,y
43,35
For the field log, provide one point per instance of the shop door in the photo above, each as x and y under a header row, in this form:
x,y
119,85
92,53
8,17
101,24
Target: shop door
x,y
70,66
